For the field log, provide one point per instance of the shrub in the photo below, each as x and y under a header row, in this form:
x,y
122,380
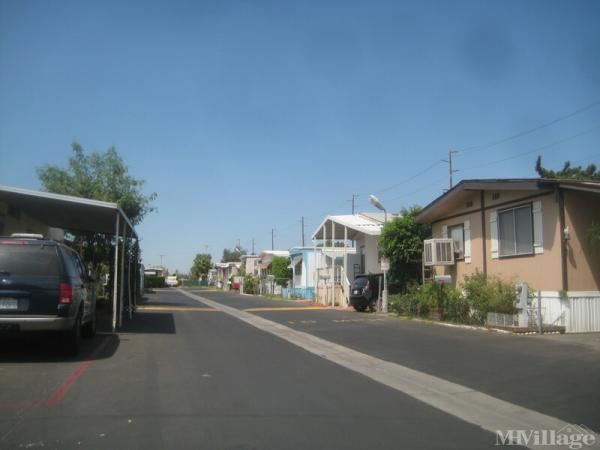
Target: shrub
x,y
404,304
250,285
456,307
153,281
419,299
489,294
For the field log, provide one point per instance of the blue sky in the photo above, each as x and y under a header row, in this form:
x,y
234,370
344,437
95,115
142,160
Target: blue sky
x,y
246,115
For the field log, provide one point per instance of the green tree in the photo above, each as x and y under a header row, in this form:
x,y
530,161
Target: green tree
x,y
99,176
234,255
568,172
280,269
202,264
401,241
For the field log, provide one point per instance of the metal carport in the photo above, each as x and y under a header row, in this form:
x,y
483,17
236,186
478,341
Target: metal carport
x,y
81,214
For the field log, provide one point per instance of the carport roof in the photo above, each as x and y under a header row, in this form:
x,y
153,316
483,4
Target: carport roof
x,y
65,211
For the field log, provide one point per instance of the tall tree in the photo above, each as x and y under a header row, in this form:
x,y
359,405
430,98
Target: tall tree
x,y
202,264
401,241
99,176
568,172
233,255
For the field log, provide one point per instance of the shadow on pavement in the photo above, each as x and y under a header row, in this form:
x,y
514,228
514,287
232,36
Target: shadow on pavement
x,y
149,322
49,347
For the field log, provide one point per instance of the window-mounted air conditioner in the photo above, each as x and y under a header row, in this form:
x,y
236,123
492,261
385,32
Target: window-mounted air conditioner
x,y
438,252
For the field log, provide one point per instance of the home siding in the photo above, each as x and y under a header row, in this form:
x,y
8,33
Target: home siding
x,y
541,271
583,263
461,269
518,268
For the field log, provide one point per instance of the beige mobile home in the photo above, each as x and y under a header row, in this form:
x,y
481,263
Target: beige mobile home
x,y
526,230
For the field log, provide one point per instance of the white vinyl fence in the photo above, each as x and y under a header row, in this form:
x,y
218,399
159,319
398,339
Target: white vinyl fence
x,y
584,312
579,313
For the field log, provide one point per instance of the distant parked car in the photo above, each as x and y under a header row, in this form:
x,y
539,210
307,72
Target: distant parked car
x,y
172,281
44,286
364,292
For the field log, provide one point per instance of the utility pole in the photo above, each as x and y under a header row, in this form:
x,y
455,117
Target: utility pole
x,y
272,238
302,231
449,161
161,260
354,196
253,246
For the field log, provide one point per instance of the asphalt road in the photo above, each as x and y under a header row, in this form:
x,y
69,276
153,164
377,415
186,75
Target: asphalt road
x,y
549,374
181,375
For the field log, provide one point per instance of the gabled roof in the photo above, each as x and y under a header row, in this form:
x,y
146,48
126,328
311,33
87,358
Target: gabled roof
x,y
365,223
465,188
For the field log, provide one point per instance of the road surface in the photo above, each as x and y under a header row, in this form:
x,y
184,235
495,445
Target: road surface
x,y
184,374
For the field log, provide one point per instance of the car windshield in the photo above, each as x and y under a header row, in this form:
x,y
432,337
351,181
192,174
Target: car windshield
x,y
360,282
28,260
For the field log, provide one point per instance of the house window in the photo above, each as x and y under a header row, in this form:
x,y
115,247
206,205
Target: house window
x,y
515,231
457,234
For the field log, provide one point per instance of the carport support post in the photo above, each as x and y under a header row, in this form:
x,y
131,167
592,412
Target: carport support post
x,y
138,273
122,277
115,275
346,285
334,258
129,284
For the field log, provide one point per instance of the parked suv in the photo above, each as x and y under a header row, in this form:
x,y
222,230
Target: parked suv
x,y
44,286
364,292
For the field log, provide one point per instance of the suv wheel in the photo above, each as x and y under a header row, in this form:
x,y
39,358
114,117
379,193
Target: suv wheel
x,y
73,338
89,329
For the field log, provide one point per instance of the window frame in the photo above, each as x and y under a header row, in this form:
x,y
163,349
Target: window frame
x,y
449,233
513,208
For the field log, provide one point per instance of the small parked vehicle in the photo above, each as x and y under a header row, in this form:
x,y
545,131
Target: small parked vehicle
x,y
172,281
44,286
364,292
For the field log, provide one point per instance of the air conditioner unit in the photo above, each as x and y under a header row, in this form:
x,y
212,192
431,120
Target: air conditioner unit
x,y
438,252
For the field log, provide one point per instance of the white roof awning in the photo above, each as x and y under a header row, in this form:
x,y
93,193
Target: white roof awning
x,y
369,224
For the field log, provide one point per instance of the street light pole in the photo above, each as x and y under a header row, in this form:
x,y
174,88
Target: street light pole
x,y
384,295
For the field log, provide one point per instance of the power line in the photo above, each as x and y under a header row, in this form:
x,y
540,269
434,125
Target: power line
x,y
476,148
400,183
535,150
468,150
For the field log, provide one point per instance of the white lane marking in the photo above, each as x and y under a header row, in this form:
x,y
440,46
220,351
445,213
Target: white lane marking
x,y
472,406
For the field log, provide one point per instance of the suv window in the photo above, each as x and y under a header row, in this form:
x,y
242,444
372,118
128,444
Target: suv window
x,y
74,266
29,259
360,282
